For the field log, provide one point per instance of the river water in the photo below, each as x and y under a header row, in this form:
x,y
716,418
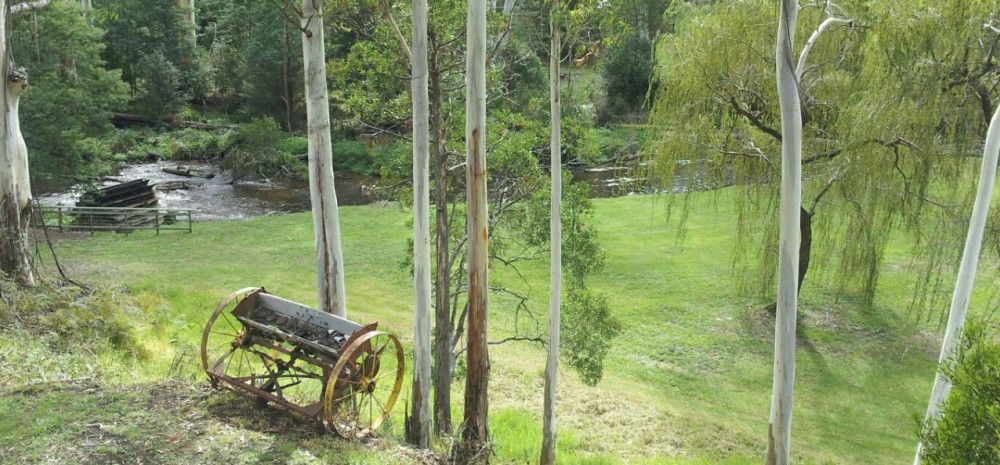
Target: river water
x,y
219,198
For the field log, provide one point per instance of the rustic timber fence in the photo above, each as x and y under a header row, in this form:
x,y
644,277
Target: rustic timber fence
x,y
126,220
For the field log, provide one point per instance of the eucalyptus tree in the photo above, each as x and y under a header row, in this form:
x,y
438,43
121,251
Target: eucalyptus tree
x,y
15,189
15,179
419,427
555,241
779,437
966,275
326,214
475,447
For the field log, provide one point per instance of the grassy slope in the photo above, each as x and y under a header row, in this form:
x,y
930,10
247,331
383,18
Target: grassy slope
x,y
690,376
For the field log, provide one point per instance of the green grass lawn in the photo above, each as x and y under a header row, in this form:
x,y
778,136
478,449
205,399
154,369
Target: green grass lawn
x,y
688,382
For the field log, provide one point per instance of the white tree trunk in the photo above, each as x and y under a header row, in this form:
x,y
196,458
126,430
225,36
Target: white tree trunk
x,y
15,186
326,216
86,6
188,8
966,271
555,235
420,424
25,6
780,426
475,433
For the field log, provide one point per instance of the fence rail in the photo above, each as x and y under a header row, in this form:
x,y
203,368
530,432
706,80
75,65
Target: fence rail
x,y
66,218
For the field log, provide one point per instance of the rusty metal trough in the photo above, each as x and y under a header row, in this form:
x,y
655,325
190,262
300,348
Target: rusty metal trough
x,y
311,363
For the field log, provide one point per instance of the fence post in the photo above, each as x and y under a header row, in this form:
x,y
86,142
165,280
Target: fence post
x,y
60,210
190,222
157,222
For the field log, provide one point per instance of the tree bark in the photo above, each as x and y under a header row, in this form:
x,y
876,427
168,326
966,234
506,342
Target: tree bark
x,y
966,272
779,429
555,238
15,186
326,215
805,247
420,422
475,429
443,328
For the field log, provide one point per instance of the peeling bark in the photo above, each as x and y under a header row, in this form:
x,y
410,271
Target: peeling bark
x,y
326,215
420,422
475,429
15,186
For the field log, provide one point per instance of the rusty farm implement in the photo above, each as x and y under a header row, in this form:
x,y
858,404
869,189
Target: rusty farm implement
x,y
311,363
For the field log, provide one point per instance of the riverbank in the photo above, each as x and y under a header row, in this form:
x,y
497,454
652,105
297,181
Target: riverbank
x,y
688,381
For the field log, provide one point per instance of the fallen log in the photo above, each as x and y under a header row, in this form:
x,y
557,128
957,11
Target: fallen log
x,y
128,119
188,172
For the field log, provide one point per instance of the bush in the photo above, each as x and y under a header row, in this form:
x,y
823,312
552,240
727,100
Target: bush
x,y
254,153
968,430
628,71
193,144
294,145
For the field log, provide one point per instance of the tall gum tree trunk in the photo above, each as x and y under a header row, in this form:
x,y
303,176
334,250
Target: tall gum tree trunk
x,y
443,329
555,234
475,428
780,424
966,271
420,422
15,185
326,216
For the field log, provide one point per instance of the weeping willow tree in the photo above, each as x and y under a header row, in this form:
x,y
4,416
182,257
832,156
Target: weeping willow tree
x,y
890,115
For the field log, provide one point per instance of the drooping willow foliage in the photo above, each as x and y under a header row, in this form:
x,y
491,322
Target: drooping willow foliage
x,y
895,107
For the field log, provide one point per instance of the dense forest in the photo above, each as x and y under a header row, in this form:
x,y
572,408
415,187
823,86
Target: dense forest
x,y
584,232
127,78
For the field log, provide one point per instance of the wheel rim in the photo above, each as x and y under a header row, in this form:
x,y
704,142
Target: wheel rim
x,y
368,378
223,336
226,351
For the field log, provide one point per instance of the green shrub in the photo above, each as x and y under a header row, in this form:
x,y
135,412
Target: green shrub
x,y
254,153
968,430
294,145
194,144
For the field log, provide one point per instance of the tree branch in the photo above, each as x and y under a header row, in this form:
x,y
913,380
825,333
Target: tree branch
x,y
27,6
754,119
387,13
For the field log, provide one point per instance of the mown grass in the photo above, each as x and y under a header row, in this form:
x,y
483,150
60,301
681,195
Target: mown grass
x,y
688,382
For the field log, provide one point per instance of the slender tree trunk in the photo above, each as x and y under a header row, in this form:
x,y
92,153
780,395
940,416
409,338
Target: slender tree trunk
x,y
420,421
286,67
555,238
443,328
326,216
966,272
780,425
475,428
